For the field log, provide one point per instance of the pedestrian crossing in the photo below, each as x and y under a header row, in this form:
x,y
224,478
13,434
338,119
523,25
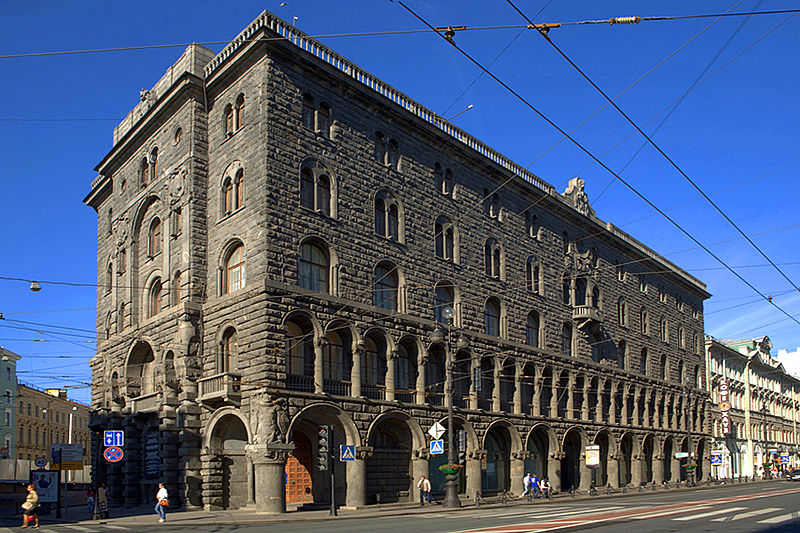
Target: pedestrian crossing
x,y
733,514
62,528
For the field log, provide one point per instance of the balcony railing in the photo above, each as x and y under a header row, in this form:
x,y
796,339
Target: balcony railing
x,y
373,392
223,387
336,388
146,403
586,314
299,383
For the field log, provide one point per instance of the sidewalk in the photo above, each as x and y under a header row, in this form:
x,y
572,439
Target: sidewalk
x,y
135,516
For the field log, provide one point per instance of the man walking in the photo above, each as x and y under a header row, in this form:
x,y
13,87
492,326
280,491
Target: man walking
x,y
424,486
535,486
526,482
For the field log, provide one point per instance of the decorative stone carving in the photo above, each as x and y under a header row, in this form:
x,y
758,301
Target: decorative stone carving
x,y
148,98
576,197
364,452
176,184
120,229
269,419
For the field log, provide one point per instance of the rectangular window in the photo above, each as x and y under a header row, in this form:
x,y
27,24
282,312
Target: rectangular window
x,y
8,418
8,396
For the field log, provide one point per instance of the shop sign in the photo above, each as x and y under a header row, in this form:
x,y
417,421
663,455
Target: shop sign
x,y
725,406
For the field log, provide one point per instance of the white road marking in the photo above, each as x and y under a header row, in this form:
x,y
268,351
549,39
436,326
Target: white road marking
x,y
757,512
79,528
711,513
670,511
779,519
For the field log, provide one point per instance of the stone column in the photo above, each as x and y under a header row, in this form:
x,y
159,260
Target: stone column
x,y
536,408
211,473
613,470
658,469
598,412
636,396
355,373
626,391
318,365
357,479
585,402
473,394
612,404
420,466
517,389
474,472
391,360
570,414
518,471
269,465
132,492
554,470
497,370
636,469
585,473
675,466
554,397
421,377
648,416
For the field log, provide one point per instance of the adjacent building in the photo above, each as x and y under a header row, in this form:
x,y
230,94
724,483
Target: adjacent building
x,y
755,408
280,233
49,417
8,403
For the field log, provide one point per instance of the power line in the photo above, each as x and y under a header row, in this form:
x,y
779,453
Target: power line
x,y
658,148
612,21
590,154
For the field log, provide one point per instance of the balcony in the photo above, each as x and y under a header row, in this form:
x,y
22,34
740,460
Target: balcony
x,y
585,315
221,388
146,403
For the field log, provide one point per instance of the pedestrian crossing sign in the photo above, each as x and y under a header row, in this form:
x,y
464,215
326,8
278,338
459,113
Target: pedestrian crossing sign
x,y
347,452
437,447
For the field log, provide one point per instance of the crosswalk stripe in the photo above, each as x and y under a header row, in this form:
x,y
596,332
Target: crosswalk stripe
x,y
751,514
670,511
109,526
79,528
778,519
711,513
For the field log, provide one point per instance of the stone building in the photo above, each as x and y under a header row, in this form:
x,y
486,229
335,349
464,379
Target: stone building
x,y
8,403
49,417
755,408
279,232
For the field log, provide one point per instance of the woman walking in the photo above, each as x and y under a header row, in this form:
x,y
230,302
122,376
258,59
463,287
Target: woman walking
x,y
162,502
31,507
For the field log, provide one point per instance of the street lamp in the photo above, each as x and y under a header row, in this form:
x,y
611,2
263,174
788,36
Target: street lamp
x,y
437,336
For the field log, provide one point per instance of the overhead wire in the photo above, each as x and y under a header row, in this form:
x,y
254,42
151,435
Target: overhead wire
x,y
658,149
590,154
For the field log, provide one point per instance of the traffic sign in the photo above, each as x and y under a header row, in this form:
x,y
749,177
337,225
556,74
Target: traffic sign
x,y
40,462
681,455
66,456
114,437
347,452
113,454
436,431
437,447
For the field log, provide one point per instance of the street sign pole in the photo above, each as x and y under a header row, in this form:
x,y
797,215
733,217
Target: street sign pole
x,y
333,467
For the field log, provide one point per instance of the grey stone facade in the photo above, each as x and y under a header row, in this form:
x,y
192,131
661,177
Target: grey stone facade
x,y
274,220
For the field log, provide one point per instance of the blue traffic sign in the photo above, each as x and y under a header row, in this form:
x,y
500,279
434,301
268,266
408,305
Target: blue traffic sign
x,y
437,447
347,452
113,454
113,437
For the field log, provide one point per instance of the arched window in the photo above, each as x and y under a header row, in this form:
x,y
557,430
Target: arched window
x,y
491,317
445,237
580,291
373,367
493,259
313,267
622,312
388,216
447,183
227,195
308,112
444,297
531,225
143,174
109,277
622,352
681,370
153,160
176,288
324,120
681,337
664,329
566,339
386,286
234,270
300,355
644,321
239,112
405,372
154,238
532,330
155,299
336,362
533,275
392,154
316,188
662,370
227,119
566,290
643,362
230,351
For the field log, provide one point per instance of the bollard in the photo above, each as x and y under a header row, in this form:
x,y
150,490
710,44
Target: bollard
x,y
572,491
608,489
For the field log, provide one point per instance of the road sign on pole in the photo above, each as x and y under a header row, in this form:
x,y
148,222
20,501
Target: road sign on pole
x,y
114,437
347,452
436,431
113,454
437,447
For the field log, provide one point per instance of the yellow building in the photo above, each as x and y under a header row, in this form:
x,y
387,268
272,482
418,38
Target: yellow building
x,y
48,417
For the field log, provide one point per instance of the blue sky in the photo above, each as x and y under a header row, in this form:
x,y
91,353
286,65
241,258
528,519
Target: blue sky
x,y
736,135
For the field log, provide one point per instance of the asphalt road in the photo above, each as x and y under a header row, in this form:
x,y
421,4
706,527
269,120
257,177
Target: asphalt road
x,y
731,509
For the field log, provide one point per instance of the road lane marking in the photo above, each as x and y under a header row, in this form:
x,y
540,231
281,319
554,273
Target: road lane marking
x,y
671,512
711,513
779,519
740,516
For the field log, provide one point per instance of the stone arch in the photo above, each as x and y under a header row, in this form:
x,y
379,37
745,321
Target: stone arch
x,y
227,434
647,457
394,437
541,443
140,362
606,472
572,472
629,448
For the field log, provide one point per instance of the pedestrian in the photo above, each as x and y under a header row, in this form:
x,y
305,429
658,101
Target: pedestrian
x,y
535,485
162,502
31,507
102,502
90,501
526,483
544,487
424,486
